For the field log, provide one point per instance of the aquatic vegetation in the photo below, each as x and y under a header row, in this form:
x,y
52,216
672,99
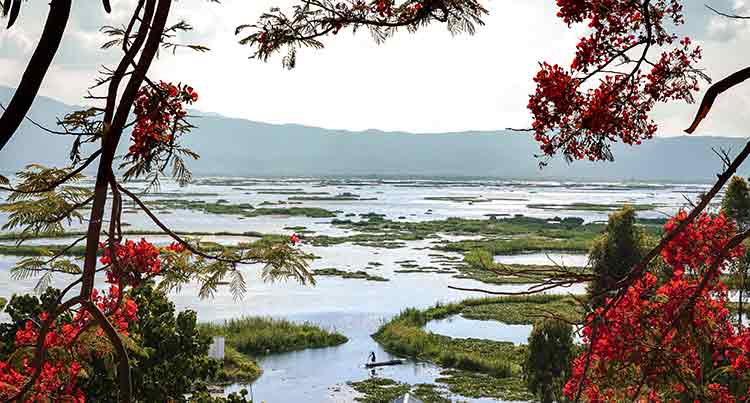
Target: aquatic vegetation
x,y
479,265
348,274
520,245
182,194
78,250
257,336
413,268
532,273
592,206
500,361
242,209
459,199
472,199
385,390
15,236
404,335
237,368
372,240
288,192
521,310
472,384
346,196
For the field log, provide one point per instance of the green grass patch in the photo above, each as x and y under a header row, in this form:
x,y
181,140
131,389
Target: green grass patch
x,y
242,209
14,236
591,206
238,368
346,196
500,362
79,250
256,336
532,274
348,274
385,390
472,384
423,269
285,192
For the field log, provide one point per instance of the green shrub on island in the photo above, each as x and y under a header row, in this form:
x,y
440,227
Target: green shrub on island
x,y
258,336
550,353
501,363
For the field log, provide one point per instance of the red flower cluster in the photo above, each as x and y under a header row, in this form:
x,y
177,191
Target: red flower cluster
x,y
132,263
699,245
176,247
582,121
157,112
661,342
58,378
57,382
384,7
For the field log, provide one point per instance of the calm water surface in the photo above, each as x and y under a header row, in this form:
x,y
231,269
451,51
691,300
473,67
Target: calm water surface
x,y
357,308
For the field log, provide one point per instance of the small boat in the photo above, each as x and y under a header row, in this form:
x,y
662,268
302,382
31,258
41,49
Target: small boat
x,y
383,363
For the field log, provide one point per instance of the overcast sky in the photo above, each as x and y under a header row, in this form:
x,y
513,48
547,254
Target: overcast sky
x,y
428,82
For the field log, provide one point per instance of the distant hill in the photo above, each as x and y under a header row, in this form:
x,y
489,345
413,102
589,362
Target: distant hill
x,y
240,147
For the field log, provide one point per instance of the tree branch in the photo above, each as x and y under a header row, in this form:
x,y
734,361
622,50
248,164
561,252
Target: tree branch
x,y
57,20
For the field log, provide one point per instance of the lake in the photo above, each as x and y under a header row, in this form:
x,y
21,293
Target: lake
x,y
354,307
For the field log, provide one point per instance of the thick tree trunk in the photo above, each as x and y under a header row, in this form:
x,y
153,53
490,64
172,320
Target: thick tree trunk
x,y
19,105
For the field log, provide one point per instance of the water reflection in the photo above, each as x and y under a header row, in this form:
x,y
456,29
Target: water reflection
x,y
459,327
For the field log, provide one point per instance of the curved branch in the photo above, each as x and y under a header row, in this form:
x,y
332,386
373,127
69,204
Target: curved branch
x,y
112,135
123,365
714,91
723,178
13,11
130,54
57,20
734,16
176,237
40,350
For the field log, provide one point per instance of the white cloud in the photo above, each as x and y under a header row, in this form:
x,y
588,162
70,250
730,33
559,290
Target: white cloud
x,y
427,82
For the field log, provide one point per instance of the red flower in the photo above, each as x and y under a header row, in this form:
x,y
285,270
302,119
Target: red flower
x,y
133,262
157,111
661,333
581,121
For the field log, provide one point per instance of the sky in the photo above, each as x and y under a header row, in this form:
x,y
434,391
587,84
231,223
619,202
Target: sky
x,y
426,82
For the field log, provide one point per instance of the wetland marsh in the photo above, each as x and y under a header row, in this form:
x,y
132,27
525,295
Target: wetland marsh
x,y
383,253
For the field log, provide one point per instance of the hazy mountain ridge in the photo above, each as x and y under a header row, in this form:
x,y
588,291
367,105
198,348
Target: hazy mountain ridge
x,y
236,147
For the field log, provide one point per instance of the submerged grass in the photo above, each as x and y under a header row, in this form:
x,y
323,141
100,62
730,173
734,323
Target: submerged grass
x,y
257,336
385,390
471,384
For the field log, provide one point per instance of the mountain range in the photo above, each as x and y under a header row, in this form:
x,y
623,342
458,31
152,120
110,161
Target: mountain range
x,y
238,147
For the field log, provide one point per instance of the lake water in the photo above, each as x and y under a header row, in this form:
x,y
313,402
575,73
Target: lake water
x,y
459,327
357,308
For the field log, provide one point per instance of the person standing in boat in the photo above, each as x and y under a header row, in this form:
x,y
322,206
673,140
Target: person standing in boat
x,y
371,358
